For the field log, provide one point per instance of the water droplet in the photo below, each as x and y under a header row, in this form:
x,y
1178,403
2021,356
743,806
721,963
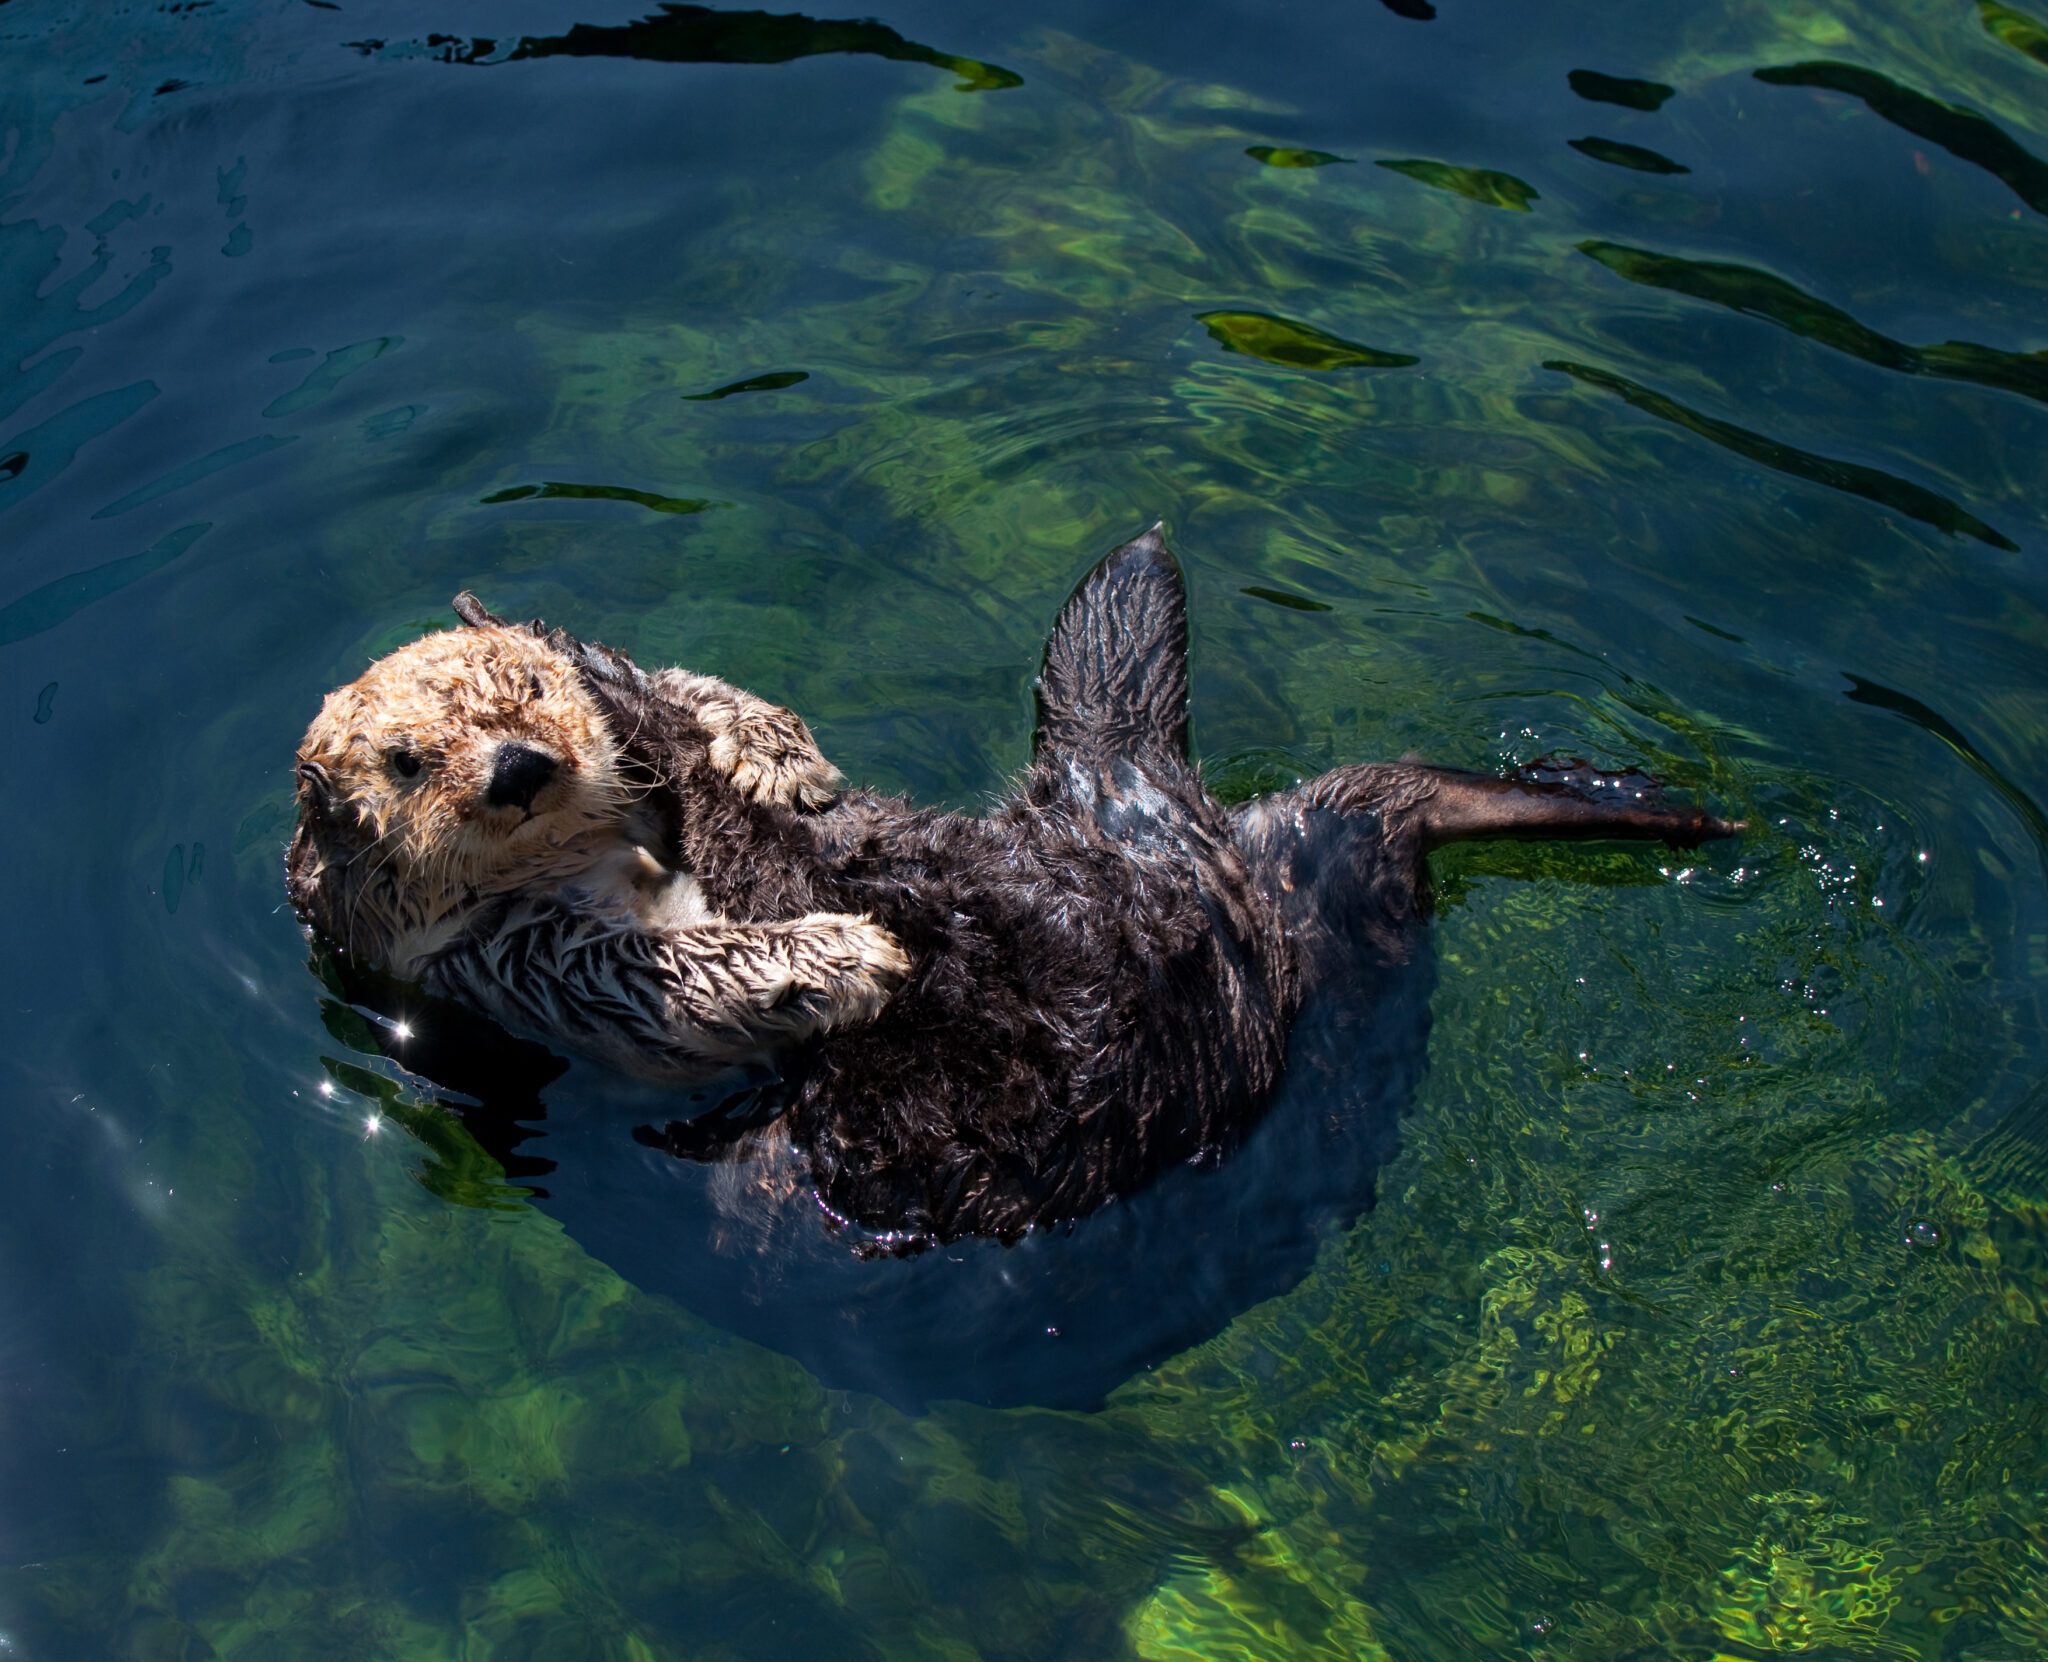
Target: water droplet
x,y
1923,1232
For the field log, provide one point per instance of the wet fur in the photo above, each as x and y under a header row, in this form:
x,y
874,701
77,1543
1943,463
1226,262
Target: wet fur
x,y
554,914
1103,970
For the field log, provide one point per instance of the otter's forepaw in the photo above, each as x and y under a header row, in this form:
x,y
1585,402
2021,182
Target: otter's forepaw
x,y
855,963
769,754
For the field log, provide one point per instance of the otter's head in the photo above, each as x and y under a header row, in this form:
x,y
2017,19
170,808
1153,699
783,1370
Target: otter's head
x,y
467,764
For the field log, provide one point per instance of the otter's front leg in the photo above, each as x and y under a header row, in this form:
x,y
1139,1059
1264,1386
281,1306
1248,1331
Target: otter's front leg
x,y
669,1001
765,750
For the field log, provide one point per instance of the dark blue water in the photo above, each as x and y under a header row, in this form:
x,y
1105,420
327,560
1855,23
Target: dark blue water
x,y
1659,1271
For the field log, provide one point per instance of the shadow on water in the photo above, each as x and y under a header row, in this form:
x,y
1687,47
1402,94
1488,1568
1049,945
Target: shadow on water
x,y
1618,89
40,312
556,491
698,34
1931,721
774,382
46,607
1634,156
1058,1320
1873,484
1742,288
1962,133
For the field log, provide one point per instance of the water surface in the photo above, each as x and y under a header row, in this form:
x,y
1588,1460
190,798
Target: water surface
x,y
1658,385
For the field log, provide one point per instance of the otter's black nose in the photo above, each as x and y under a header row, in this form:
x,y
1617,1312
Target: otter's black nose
x,y
518,775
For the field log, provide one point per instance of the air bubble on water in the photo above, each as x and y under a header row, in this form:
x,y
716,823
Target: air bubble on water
x,y
1923,1232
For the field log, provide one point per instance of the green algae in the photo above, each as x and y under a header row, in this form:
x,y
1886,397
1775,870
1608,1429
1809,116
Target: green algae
x,y
1280,340
1477,184
1275,156
2019,31
1632,156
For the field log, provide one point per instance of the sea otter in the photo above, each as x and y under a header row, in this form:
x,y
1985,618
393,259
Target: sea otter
x,y
468,787
983,1024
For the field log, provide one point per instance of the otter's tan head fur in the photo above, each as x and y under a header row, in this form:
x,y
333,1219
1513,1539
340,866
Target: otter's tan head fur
x,y
469,763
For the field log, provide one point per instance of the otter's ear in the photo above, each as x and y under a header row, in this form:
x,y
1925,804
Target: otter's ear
x,y
471,611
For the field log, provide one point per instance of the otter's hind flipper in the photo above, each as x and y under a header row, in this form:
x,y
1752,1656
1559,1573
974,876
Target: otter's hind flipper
x,y
1115,679
1448,805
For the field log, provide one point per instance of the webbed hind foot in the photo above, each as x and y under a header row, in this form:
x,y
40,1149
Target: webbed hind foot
x,y
1546,800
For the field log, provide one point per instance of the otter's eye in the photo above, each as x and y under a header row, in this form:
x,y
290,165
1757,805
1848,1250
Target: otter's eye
x,y
405,763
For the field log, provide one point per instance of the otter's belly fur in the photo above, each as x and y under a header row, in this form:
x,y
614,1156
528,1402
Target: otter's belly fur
x,y
1100,989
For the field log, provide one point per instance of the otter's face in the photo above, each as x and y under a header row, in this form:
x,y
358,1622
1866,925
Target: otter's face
x,y
463,765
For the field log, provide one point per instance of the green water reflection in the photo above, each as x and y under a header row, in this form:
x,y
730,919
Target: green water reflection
x,y
2016,29
1910,499
1481,184
1701,1312
1279,340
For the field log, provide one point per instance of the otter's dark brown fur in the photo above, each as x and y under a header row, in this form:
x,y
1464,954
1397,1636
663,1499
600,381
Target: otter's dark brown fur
x,y
1105,967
